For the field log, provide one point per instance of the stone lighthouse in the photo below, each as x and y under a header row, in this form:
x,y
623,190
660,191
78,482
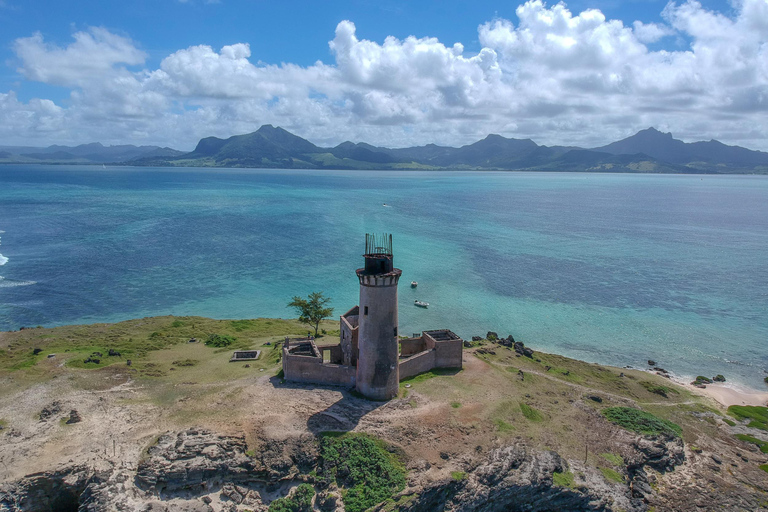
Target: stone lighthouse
x,y
378,373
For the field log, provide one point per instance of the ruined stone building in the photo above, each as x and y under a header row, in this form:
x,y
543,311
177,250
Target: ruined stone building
x,y
370,355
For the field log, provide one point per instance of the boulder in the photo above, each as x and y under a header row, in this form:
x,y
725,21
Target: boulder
x,y
651,362
477,338
50,410
701,380
491,336
74,417
114,353
718,378
467,344
36,351
521,349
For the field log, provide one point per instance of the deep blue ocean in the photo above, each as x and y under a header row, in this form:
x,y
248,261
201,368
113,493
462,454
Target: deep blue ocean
x,y
609,268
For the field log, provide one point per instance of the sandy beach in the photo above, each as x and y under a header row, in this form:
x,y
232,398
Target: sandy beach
x,y
727,394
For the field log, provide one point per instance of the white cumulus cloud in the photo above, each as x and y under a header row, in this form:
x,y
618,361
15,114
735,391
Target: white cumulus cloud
x,y
551,74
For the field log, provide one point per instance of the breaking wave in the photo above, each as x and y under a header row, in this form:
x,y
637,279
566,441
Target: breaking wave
x,y
5,283
3,260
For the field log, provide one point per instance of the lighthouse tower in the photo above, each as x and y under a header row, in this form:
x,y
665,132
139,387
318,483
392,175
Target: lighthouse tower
x,y
378,376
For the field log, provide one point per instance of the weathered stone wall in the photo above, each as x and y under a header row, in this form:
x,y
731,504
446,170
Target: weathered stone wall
x,y
311,370
448,354
348,329
412,346
417,364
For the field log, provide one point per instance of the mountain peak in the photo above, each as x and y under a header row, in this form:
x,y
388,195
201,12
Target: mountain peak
x,y
653,132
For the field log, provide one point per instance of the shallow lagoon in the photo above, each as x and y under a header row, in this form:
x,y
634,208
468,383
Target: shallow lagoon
x,y
610,268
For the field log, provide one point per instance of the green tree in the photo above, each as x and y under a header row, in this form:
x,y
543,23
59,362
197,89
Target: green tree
x,y
313,309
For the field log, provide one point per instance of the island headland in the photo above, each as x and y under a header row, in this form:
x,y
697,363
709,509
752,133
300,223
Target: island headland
x,y
195,414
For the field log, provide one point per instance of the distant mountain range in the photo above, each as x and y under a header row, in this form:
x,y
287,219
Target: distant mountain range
x,y
93,153
270,147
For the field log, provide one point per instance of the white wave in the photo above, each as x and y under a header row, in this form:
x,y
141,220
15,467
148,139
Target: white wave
x,y
3,260
4,283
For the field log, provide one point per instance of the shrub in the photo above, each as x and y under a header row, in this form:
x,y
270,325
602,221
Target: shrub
x,y
363,466
658,388
641,422
299,501
455,405
219,341
458,475
177,323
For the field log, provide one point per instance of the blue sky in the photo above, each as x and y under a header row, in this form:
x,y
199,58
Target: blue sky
x,y
137,74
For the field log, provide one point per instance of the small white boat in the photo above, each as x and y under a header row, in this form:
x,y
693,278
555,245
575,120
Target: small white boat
x,y
414,284
421,304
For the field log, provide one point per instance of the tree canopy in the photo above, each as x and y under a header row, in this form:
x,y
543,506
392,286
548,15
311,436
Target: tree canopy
x,y
312,310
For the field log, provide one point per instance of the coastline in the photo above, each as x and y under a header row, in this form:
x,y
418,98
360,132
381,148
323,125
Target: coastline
x,y
727,394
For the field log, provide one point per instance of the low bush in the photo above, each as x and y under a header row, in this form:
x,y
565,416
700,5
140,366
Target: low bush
x,y
363,466
458,475
219,341
299,501
658,388
641,422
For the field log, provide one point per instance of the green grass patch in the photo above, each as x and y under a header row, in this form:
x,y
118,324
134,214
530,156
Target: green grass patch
x,y
458,475
750,439
530,413
177,323
565,479
3,423
431,374
186,362
764,467
730,423
659,389
219,340
641,422
455,405
757,415
612,475
365,467
299,501
614,459
503,426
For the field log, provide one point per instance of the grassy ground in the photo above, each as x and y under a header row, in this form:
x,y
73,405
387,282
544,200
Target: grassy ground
x,y
155,346
548,401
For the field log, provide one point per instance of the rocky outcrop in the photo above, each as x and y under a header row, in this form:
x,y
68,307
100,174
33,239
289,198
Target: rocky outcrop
x,y
510,479
58,490
50,410
199,459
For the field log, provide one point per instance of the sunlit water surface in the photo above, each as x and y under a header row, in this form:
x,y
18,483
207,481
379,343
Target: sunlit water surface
x,y
609,268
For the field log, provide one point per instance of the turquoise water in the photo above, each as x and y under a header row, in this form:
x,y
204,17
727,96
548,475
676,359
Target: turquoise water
x,y
610,268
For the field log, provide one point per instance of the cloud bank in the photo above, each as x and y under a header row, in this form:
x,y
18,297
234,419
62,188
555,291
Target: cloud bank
x,y
554,76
